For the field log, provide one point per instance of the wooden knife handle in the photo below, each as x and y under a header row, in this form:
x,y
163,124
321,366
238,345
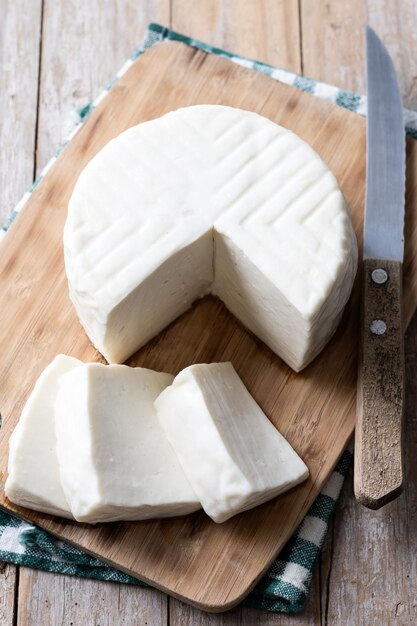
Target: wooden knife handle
x,y
380,403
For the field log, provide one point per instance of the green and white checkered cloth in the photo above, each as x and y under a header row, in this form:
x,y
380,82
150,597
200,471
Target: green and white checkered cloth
x,y
285,585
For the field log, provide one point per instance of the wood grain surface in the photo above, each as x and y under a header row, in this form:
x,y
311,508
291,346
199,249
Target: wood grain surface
x,y
212,566
379,471
367,571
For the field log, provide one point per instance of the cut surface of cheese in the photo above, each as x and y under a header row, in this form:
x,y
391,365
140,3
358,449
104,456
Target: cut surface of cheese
x,y
233,456
206,199
115,460
33,473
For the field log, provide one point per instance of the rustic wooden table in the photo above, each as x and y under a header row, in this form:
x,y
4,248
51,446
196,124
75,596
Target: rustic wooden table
x,y
55,55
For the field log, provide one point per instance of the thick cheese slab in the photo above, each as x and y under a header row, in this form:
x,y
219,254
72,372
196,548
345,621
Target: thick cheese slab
x,y
209,199
33,480
233,456
115,460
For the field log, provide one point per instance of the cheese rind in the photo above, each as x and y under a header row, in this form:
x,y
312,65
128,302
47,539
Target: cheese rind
x,y
115,461
33,474
233,456
209,198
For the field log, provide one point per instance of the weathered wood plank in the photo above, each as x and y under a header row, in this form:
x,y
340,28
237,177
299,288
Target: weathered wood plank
x,y
83,45
8,589
333,47
396,22
19,61
332,42
266,30
368,568
372,569
52,599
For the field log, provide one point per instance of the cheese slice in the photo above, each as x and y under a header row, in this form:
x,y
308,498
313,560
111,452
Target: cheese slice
x,y
33,480
115,460
231,453
206,199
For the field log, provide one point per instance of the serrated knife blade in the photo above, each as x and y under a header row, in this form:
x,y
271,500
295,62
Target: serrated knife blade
x,y
385,157
379,470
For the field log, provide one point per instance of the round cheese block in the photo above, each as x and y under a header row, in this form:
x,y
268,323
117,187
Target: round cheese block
x,y
209,199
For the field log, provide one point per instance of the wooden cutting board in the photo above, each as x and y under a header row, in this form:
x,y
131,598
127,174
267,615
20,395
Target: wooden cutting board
x,y
208,565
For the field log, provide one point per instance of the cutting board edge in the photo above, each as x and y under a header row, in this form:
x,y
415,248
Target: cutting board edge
x,y
209,608
213,607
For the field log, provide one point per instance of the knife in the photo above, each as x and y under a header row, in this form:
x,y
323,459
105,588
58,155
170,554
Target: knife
x,y
378,475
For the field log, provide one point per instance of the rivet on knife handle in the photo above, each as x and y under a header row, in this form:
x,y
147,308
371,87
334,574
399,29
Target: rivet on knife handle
x,y
380,403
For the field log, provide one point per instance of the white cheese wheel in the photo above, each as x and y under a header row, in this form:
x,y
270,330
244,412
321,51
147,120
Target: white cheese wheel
x,y
231,453
115,460
33,473
209,199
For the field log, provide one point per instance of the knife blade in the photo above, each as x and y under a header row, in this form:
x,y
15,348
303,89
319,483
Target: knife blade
x,y
378,475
